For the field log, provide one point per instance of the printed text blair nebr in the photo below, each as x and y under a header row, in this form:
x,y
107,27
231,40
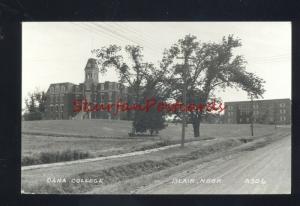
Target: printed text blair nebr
x,y
85,106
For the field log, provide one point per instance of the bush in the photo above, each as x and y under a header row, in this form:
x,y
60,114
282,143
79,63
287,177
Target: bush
x,y
33,116
152,121
51,157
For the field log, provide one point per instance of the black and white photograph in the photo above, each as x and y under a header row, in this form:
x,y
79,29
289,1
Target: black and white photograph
x,y
120,107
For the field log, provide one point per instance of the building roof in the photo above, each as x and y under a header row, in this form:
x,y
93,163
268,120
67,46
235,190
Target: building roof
x,y
61,83
91,64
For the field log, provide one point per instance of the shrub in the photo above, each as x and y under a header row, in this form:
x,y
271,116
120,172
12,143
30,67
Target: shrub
x,y
58,156
33,116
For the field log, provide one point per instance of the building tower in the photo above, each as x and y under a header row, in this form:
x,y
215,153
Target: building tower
x,y
91,73
91,78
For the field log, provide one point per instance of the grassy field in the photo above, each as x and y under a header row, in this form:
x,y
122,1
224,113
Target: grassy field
x,y
141,169
54,138
118,128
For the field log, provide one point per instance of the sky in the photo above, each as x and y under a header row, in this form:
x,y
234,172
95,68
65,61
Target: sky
x,y
54,52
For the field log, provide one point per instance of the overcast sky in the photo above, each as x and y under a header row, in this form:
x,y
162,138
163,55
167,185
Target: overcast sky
x,y
54,52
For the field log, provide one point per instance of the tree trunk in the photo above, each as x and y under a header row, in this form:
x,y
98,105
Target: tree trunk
x,y
196,127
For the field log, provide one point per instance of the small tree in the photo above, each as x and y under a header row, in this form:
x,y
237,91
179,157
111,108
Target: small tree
x,y
35,106
40,97
151,120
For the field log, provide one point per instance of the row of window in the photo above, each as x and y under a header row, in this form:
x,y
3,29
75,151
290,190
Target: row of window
x,y
57,108
255,106
90,76
62,89
281,118
104,86
255,112
282,105
56,98
111,96
109,86
57,89
282,111
246,112
230,114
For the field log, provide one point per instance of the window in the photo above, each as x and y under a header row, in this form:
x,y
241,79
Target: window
x,y
103,97
282,104
105,85
51,90
110,96
57,89
282,111
282,118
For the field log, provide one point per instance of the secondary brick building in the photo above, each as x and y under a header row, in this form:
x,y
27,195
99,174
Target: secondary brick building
x,y
273,111
60,96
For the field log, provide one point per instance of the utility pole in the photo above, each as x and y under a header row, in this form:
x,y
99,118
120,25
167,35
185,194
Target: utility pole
x,y
275,116
184,73
184,102
252,114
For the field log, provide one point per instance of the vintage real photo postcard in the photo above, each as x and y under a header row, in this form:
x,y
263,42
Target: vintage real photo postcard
x,y
156,108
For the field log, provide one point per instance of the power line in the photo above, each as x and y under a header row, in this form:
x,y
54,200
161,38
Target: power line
x,y
145,40
119,36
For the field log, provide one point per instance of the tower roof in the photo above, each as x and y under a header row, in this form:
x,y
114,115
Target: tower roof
x,y
91,64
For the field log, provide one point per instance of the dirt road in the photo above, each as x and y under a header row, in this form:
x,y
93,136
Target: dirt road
x,y
266,170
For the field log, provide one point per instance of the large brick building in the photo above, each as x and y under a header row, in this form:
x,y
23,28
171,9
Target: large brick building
x,y
60,96
273,111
